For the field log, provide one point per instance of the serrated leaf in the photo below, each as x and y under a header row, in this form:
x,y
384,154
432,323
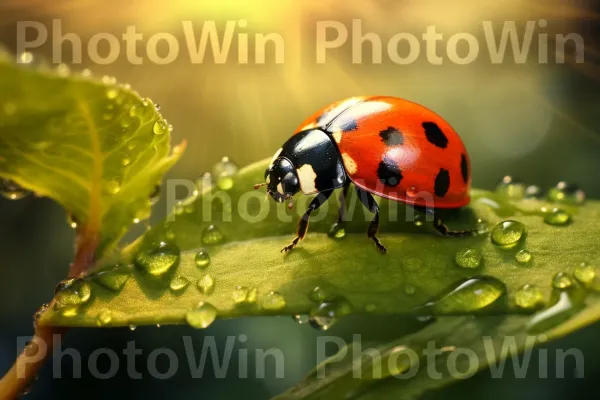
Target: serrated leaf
x,y
348,268
87,143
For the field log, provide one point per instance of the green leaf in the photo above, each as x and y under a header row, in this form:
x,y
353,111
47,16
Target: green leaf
x,y
418,267
87,143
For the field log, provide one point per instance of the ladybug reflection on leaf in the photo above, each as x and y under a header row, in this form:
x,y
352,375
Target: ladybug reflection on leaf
x,y
384,146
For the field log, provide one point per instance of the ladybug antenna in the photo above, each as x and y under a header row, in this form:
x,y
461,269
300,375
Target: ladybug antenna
x,y
259,185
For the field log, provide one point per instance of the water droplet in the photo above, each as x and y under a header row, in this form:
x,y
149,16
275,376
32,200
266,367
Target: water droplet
x,y
109,80
11,190
412,191
511,188
158,325
126,158
566,302
104,318
112,93
201,316
86,73
272,301
70,294
468,295
300,318
370,307
252,295
158,259
567,193
533,192
529,297
113,279
418,220
585,273
561,281
205,182
157,107
202,259
62,70
468,258
320,295
557,217
523,256
179,283
326,314
240,293
409,289
206,285
212,235
508,233
160,127
112,187
25,58
132,328
337,231
224,171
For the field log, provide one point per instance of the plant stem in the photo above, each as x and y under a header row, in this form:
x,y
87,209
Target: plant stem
x,y
15,382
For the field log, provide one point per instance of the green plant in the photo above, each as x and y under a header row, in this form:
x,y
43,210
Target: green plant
x,y
100,150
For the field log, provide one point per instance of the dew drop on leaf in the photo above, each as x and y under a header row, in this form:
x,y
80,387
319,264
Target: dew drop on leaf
x,y
132,328
337,231
409,289
70,294
104,318
113,279
468,295
201,316
272,301
557,217
202,259
206,284
160,127
212,235
566,302
533,192
561,280
252,295
25,58
112,93
584,273
511,188
179,283
239,294
529,297
112,186
158,259
300,318
468,258
567,193
319,295
11,190
224,171
507,234
523,256
328,313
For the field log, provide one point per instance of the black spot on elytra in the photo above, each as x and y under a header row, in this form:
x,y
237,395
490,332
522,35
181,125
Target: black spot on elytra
x,y
391,136
464,168
349,126
442,183
388,172
435,135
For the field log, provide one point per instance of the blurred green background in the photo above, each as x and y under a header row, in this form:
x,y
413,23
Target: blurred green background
x,y
537,122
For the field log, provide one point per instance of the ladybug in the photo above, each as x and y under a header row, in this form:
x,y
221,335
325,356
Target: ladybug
x,y
384,146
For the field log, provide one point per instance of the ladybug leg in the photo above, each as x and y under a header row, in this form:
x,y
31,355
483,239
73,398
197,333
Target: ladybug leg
x,y
370,203
443,229
342,200
303,223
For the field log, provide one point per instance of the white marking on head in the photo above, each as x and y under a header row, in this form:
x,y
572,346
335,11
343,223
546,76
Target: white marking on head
x,y
280,188
337,136
349,163
307,177
268,180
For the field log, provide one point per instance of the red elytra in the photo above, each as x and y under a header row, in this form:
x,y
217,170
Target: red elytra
x,y
426,160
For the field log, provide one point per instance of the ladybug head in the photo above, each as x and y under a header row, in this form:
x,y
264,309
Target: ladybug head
x,y
281,180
